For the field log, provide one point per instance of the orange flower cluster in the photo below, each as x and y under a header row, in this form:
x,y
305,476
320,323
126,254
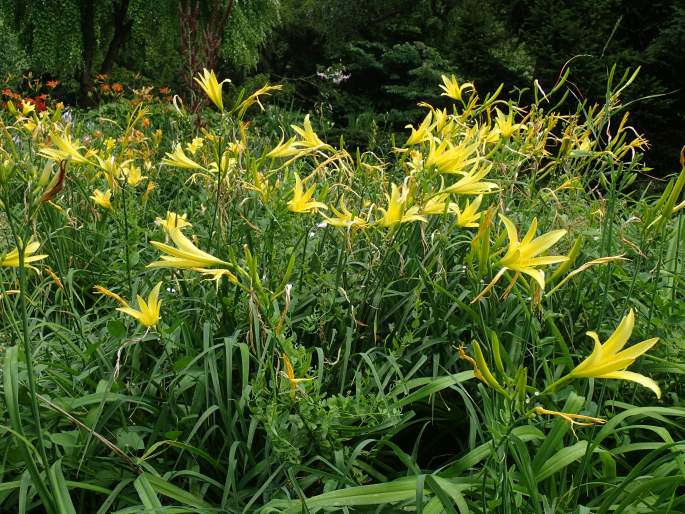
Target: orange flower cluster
x,y
37,101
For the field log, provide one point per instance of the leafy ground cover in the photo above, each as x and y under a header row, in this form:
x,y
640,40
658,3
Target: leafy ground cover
x,y
198,316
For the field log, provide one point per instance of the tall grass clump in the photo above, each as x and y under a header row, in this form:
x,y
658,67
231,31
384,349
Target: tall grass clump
x,y
201,316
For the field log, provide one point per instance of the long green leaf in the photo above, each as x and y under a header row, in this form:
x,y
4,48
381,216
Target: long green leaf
x,y
59,486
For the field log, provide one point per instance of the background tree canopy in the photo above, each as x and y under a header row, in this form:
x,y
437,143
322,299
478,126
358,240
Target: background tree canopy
x,y
364,63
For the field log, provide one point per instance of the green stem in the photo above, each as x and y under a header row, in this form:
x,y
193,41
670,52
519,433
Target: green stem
x,y
680,234
220,180
37,478
21,251
28,355
128,264
607,238
555,385
655,284
304,257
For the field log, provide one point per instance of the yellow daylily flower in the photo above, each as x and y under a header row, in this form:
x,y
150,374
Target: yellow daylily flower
x,y
260,183
29,125
102,199
184,256
437,205
469,217
133,175
212,87
301,200
524,256
254,98
284,149
147,313
471,183
236,147
441,119
582,146
195,145
289,375
11,258
309,140
111,169
452,89
344,218
397,211
422,133
27,107
447,158
179,159
610,360
173,221
66,149
505,125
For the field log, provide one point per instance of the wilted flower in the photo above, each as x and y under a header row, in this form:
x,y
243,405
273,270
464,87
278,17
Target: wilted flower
x,y
289,375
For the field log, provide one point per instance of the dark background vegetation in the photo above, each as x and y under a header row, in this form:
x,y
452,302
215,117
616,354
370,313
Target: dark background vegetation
x,y
362,64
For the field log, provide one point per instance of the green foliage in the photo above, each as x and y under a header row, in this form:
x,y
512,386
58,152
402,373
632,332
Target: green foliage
x,y
491,42
363,366
153,45
249,27
54,38
13,60
50,34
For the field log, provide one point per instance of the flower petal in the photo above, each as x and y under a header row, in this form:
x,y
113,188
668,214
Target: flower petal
x,y
531,232
537,274
635,377
542,243
638,349
131,312
619,338
512,233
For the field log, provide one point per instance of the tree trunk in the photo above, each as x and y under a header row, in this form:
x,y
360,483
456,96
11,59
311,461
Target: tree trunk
x,y
88,34
122,26
201,37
